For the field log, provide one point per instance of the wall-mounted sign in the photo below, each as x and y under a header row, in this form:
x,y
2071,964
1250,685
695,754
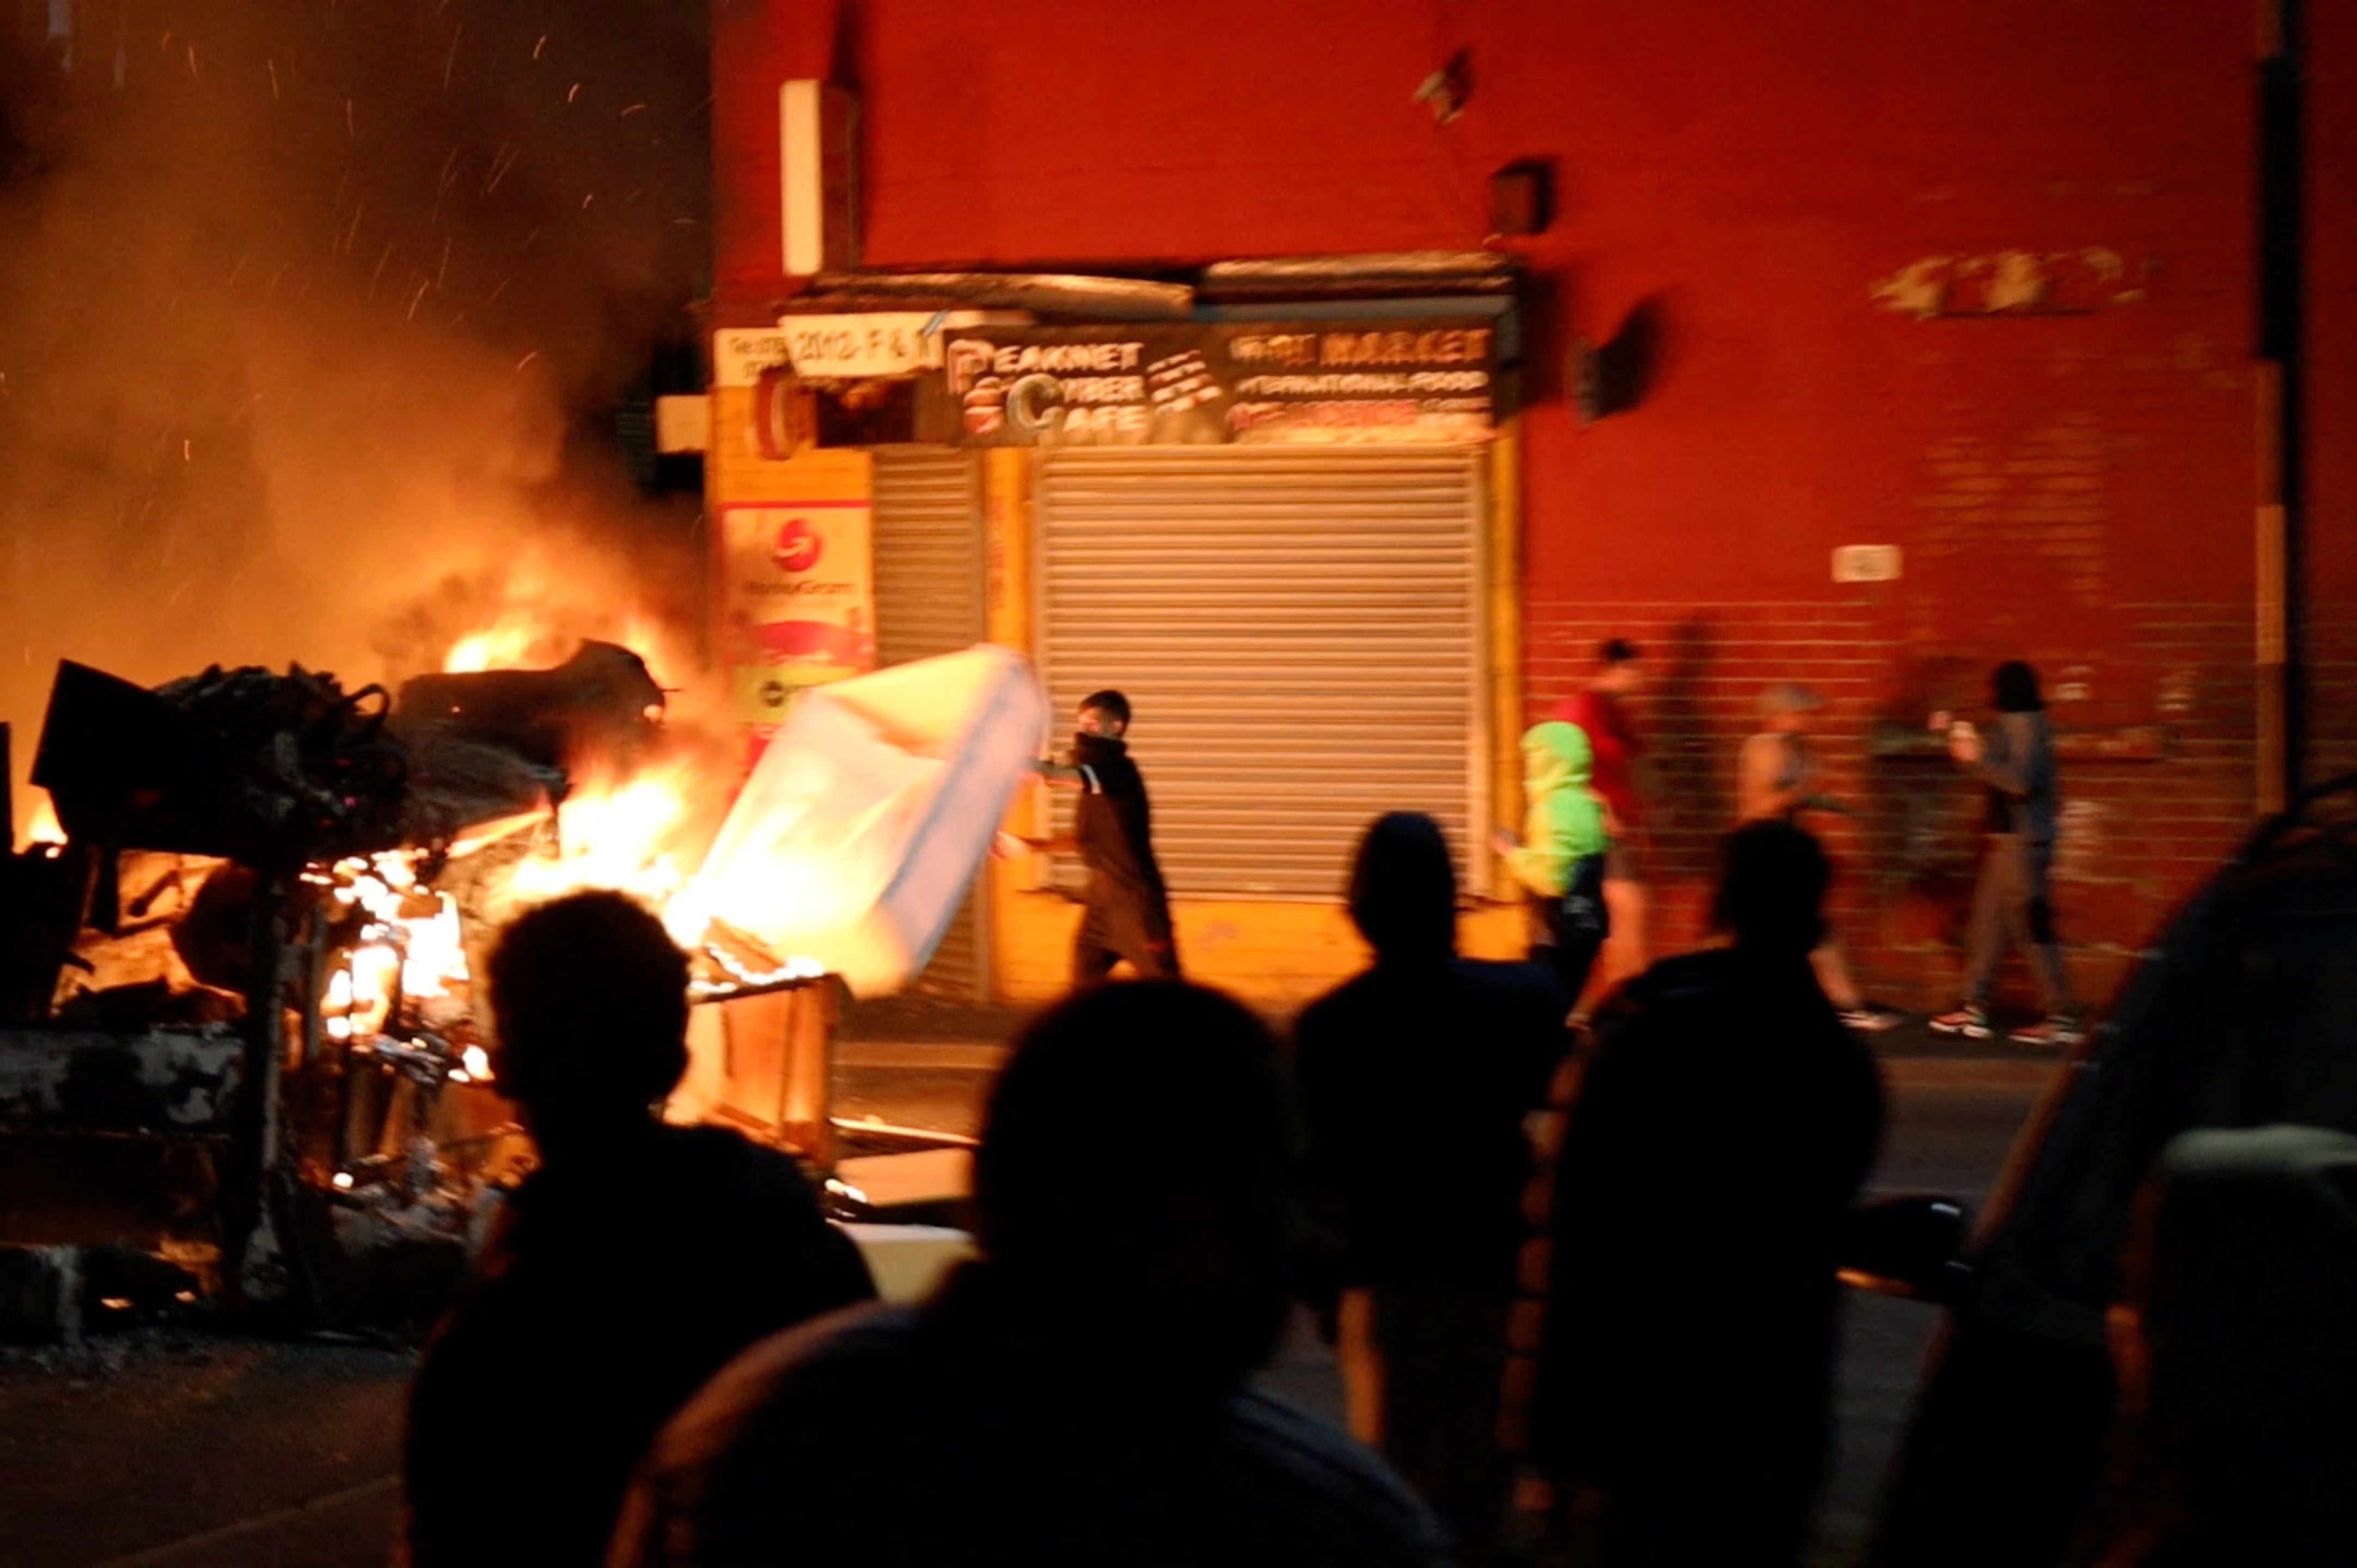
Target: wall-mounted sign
x,y
877,343
1210,383
798,598
740,354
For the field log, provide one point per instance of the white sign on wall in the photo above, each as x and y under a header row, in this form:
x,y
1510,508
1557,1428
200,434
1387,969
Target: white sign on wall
x,y
881,343
739,355
1867,564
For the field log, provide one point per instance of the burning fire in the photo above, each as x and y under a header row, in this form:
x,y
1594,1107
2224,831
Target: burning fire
x,y
615,837
406,972
44,828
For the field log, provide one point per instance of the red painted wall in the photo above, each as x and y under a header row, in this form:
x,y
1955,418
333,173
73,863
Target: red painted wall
x,y
2072,487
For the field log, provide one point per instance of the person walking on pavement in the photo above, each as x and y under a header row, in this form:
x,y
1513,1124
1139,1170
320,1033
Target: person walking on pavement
x,y
1561,856
1082,1392
1127,913
1601,710
1424,1063
2014,901
1721,1128
1780,779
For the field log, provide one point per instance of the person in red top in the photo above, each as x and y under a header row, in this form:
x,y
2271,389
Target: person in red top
x,y
1601,709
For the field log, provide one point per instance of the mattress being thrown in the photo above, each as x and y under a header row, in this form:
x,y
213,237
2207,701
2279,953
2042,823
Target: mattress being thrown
x,y
866,815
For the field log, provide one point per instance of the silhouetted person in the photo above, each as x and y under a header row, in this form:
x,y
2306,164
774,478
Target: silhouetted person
x,y
1416,1078
627,1270
2014,901
2237,1362
1713,1145
1078,1395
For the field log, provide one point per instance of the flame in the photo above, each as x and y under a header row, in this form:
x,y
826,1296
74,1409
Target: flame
x,y
44,828
620,836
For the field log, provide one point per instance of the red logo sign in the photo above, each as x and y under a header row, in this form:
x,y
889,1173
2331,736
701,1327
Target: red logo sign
x,y
798,546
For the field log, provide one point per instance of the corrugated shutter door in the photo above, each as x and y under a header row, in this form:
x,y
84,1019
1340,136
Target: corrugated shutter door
x,y
929,600
1301,634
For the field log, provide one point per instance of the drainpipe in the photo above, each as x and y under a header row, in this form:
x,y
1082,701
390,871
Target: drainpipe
x,y
2281,672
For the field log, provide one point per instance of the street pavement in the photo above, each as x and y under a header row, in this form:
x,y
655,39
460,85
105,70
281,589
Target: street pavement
x,y
164,1450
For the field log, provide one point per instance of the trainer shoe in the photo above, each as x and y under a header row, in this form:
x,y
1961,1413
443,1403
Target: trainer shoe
x,y
2052,1032
1972,1023
1871,1017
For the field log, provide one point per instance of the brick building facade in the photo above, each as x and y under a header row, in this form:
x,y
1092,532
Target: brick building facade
x,y
1976,284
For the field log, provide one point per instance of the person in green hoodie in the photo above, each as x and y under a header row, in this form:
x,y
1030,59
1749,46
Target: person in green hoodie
x,y
1566,828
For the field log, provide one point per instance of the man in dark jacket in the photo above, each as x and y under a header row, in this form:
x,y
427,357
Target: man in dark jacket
x,y
1713,1146
1415,1079
1079,1395
1128,909
627,1269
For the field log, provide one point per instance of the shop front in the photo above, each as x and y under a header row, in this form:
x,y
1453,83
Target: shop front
x,y
1290,542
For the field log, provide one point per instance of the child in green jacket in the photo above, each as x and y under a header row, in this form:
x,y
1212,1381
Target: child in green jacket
x,y
1560,857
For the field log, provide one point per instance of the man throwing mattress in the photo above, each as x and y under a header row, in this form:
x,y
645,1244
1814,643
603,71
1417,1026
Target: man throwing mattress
x,y
1128,914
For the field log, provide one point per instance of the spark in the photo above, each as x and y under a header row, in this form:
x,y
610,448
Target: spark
x,y
380,260
352,232
575,93
499,291
442,276
418,299
502,161
587,199
188,450
451,64
527,359
540,46
631,109
192,64
273,65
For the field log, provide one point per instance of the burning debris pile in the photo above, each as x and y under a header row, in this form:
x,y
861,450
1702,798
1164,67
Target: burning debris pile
x,y
261,929
239,992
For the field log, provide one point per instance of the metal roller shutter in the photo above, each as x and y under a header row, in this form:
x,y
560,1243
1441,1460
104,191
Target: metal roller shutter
x,y
1301,633
929,600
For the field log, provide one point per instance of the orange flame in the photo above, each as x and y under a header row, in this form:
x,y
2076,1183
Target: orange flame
x,y
44,828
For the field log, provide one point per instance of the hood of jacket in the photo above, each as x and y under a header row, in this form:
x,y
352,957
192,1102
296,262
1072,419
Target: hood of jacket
x,y
1556,755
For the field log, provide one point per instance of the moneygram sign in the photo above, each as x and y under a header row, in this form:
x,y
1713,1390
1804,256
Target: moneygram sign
x,y
1211,384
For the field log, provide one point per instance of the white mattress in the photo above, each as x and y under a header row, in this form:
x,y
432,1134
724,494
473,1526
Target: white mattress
x,y
863,823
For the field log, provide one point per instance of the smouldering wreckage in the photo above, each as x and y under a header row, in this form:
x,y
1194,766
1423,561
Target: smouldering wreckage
x,y
241,1059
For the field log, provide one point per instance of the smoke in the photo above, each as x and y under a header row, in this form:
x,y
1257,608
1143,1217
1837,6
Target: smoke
x,y
310,312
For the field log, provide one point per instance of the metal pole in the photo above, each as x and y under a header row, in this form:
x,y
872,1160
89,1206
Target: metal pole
x,y
2281,407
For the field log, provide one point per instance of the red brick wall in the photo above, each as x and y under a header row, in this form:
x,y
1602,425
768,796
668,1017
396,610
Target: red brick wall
x,y
1813,208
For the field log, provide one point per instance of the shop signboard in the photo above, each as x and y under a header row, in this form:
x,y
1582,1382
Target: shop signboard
x,y
1212,383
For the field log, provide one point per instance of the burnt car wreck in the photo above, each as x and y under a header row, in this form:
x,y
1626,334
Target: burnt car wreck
x,y
240,1064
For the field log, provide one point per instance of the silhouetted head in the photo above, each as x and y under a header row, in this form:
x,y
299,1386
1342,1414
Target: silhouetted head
x,y
2243,1281
1404,888
1620,670
1771,889
589,994
2014,684
1136,1178
1104,713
